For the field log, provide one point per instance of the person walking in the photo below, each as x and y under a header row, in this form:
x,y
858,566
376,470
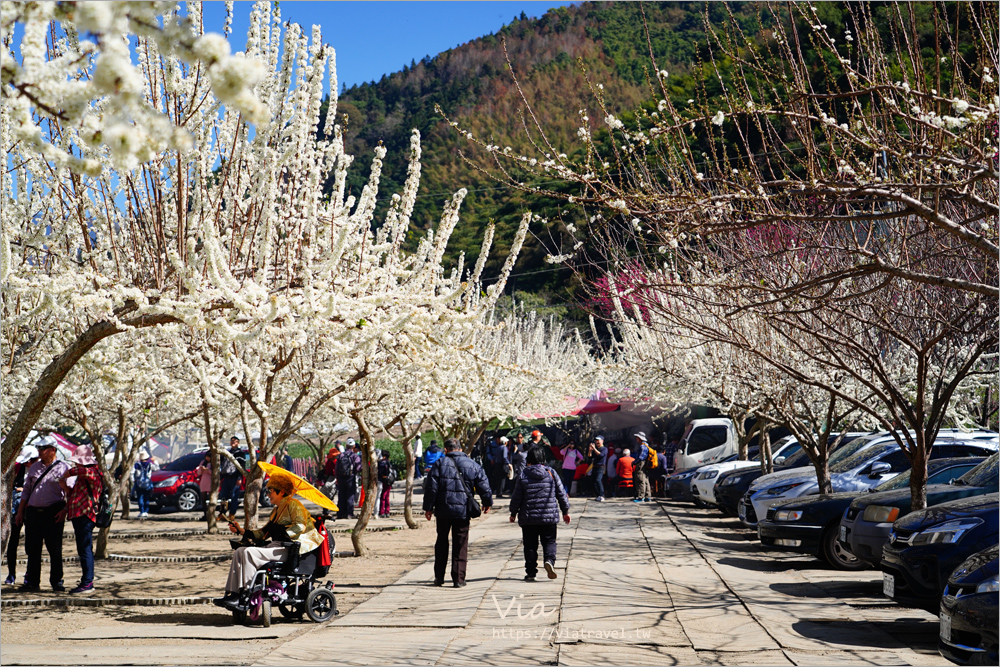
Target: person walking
x,y
599,460
571,458
348,467
386,476
496,456
142,482
24,461
447,492
229,488
41,513
518,461
539,498
640,481
81,509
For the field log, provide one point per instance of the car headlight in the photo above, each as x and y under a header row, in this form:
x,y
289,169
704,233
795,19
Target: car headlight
x,y
880,514
991,585
788,515
730,480
164,483
949,532
684,475
709,474
778,490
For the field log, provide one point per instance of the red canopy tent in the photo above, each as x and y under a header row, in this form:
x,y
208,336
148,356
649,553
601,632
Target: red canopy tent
x,y
574,407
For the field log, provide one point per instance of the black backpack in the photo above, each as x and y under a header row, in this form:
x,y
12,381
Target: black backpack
x,y
345,465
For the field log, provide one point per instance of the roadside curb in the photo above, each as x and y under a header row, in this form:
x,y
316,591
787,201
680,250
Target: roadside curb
x,y
105,602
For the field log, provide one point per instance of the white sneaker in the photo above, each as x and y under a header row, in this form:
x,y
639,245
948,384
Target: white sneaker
x,y
600,499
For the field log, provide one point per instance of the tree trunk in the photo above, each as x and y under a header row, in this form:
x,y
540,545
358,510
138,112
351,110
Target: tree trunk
x,y
822,464
918,475
766,460
7,491
411,464
369,481
56,372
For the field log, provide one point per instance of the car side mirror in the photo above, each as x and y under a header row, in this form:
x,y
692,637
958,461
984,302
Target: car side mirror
x,y
778,461
879,469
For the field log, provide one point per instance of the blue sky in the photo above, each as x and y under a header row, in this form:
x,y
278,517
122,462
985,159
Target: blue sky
x,y
376,38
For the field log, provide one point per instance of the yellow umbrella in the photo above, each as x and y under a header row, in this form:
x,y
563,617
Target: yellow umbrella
x,y
301,486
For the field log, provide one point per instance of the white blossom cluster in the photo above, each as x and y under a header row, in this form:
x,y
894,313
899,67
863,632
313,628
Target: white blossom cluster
x,y
260,287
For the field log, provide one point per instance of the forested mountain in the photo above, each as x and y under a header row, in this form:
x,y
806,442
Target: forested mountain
x,y
559,59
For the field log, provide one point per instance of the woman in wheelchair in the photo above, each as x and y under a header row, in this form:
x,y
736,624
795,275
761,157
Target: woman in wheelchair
x,y
289,522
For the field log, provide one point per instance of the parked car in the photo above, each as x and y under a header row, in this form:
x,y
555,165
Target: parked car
x,y
926,546
678,483
703,484
705,441
969,618
813,524
175,484
866,523
860,465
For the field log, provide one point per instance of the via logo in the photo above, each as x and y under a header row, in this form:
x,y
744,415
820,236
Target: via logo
x,y
537,611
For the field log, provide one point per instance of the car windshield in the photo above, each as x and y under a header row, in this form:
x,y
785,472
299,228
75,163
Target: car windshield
x,y
849,449
188,462
900,481
983,474
861,457
796,460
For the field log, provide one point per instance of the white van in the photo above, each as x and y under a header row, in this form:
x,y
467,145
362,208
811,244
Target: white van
x,y
705,441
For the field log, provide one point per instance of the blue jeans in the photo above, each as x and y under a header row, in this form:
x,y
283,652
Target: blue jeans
x,y
598,473
567,475
84,529
143,498
229,493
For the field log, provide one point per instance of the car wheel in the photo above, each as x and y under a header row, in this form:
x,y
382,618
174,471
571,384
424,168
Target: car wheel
x,y
836,554
187,501
699,503
321,605
265,613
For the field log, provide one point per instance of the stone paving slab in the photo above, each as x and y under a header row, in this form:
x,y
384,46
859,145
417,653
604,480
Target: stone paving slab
x,y
176,654
213,632
329,645
589,654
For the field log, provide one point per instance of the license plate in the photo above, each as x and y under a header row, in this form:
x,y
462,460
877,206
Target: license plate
x,y
888,585
945,627
743,511
843,533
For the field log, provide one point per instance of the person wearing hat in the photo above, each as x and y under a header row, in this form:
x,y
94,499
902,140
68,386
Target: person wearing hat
x,y
640,483
27,458
40,511
289,522
598,455
81,509
348,467
142,482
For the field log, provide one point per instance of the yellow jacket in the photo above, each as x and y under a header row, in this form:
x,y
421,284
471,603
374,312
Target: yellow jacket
x,y
298,523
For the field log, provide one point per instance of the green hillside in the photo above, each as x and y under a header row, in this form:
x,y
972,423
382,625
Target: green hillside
x,y
554,57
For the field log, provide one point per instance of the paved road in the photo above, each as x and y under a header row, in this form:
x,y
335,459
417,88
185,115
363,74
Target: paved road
x,y
649,584
644,585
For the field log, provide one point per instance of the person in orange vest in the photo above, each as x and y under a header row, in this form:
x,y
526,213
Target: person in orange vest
x,y
330,465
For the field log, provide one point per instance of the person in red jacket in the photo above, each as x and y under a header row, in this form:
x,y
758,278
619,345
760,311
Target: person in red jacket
x,y
81,509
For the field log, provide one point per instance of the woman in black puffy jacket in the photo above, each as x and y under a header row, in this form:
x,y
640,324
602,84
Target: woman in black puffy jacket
x,y
539,498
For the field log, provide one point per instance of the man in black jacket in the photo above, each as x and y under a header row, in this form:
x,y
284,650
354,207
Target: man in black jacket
x,y
446,492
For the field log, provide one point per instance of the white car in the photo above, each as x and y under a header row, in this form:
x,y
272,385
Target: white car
x,y
703,485
859,465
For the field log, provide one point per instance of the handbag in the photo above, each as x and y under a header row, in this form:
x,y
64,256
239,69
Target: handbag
x,y
472,508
